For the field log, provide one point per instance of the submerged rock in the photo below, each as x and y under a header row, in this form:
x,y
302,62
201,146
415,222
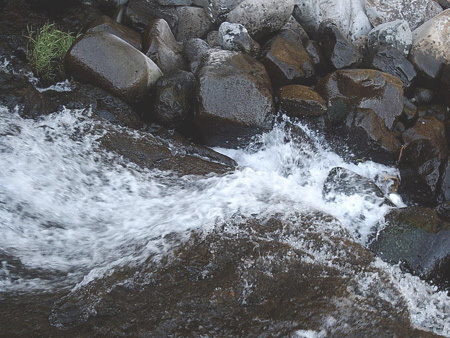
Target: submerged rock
x,y
416,238
235,98
109,62
252,282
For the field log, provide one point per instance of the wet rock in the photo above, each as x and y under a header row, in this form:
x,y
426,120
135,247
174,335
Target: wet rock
x,y
341,181
419,240
315,52
444,87
286,60
294,26
129,74
217,9
165,153
348,15
419,168
409,111
390,60
370,136
337,49
396,34
444,3
300,101
160,46
414,12
443,211
196,51
429,128
235,98
429,52
444,190
249,284
175,2
107,25
234,36
194,22
139,14
174,104
213,39
262,17
345,90
423,95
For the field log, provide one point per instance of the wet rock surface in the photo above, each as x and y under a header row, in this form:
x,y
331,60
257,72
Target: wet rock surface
x,y
139,13
286,60
235,98
419,240
193,22
234,36
396,34
129,75
300,101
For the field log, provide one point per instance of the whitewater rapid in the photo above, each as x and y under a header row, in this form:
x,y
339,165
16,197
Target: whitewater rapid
x,y
70,211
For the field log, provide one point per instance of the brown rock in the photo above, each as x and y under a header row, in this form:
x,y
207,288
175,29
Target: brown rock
x,y
286,60
300,101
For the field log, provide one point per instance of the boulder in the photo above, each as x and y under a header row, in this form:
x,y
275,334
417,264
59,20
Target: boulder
x,y
349,15
430,128
174,104
262,17
235,98
109,62
294,26
337,49
444,190
417,239
345,90
160,46
419,168
341,181
300,101
217,9
175,2
195,51
392,61
213,39
286,60
430,49
445,4
107,25
423,95
139,14
413,12
234,36
193,22
444,86
315,52
396,34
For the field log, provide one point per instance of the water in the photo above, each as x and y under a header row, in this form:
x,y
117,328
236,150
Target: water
x,y
70,211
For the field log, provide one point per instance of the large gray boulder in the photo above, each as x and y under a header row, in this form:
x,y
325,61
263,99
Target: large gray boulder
x,y
396,34
235,98
109,62
262,17
414,12
349,15
431,46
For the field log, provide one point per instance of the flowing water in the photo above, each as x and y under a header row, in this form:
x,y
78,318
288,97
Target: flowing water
x,y
70,211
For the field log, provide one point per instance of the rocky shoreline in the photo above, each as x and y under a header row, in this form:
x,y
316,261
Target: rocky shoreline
x,y
194,74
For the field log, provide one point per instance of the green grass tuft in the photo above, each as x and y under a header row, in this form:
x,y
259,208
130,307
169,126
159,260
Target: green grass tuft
x,y
47,48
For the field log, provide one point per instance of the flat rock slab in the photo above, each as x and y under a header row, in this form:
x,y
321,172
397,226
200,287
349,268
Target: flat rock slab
x,y
235,98
109,62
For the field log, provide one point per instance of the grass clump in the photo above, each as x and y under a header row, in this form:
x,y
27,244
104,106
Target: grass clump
x,y
47,48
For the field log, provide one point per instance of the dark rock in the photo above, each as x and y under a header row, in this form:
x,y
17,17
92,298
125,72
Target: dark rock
x,y
217,9
160,46
428,128
193,22
234,36
396,34
247,285
429,52
391,60
419,240
175,2
235,98
345,182
213,39
300,101
444,87
294,26
107,25
444,3
139,14
286,60
409,111
165,153
419,167
443,211
129,74
174,106
262,17
345,90
337,49
444,191
423,95
196,51
315,52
